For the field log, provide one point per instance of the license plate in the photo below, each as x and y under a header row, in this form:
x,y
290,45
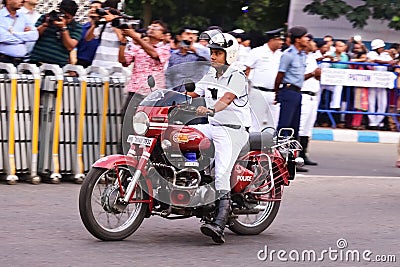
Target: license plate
x,y
139,140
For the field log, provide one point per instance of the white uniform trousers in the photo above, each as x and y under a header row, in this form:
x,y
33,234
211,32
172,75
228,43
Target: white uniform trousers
x,y
336,99
309,110
228,143
377,97
264,112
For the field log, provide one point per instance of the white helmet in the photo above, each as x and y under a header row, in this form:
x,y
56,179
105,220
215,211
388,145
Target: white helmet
x,y
377,43
226,42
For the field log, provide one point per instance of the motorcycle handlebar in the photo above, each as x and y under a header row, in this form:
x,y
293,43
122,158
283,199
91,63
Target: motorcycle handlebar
x,y
193,109
210,114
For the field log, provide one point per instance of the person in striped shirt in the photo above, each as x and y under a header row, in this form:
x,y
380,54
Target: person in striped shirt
x,y
57,37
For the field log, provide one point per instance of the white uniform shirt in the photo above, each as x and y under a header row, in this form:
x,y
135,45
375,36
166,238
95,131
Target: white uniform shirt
x,y
384,56
243,53
233,81
264,66
311,84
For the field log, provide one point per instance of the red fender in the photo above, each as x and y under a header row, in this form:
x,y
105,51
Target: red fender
x,y
109,162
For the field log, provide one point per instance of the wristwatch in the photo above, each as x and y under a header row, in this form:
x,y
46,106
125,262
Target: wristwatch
x,y
63,29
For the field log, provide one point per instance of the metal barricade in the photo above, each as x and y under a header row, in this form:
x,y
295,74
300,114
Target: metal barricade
x,y
50,111
103,121
54,125
19,113
95,116
63,106
72,122
118,79
8,94
348,98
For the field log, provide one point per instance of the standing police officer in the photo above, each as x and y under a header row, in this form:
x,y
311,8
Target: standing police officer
x,y
262,65
291,74
309,102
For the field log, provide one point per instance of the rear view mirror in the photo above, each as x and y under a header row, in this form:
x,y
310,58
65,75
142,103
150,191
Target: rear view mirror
x,y
189,85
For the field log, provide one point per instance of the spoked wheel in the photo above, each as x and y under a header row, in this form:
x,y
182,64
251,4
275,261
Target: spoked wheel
x,y
103,213
253,224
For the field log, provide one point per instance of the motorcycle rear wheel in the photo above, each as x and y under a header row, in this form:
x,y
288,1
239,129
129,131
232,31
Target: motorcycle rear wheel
x,y
99,211
254,224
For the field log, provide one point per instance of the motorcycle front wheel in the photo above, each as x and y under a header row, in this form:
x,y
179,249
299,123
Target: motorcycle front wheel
x,y
253,224
103,215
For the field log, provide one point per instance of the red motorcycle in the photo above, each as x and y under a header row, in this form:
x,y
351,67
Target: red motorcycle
x,y
168,171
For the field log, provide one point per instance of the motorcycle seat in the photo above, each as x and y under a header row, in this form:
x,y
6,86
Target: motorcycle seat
x,y
258,141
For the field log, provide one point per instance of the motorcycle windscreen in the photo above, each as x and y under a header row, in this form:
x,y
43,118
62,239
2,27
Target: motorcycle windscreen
x,y
164,98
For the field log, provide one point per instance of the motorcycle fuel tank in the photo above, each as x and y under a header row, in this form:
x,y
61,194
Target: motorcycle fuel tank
x,y
188,139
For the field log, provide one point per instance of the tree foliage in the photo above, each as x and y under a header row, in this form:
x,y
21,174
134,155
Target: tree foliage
x,y
262,15
386,10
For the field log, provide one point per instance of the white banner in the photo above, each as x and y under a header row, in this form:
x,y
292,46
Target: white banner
x,y
359,78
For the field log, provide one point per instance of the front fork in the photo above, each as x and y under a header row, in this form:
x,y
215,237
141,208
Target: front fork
x,y
140,168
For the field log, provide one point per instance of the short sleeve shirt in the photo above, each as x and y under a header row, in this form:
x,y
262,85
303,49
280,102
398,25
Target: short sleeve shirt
x,y
50,48
311,84
213,88
144,66
264,66
293,64
373,55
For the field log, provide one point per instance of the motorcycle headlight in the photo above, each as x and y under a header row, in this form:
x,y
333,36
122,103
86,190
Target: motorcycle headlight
x,y
141,123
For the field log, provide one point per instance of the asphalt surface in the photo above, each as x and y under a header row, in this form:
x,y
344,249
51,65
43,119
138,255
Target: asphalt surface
x,y
346,199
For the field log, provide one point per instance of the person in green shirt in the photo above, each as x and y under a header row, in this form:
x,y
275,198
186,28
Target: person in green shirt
x,y
59,34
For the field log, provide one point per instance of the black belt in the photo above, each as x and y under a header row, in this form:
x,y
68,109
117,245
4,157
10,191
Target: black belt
x,y
292,87
233,126
309,93
9,59
263,89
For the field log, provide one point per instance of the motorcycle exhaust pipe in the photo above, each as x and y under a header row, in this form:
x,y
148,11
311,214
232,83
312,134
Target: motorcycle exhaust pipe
x,y
257,209
180,197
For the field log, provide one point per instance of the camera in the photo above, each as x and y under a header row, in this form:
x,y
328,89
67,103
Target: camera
x,y
122,22
186,43
55,15
103,11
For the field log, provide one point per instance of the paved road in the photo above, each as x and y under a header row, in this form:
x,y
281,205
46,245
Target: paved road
x,y
354,159
41,224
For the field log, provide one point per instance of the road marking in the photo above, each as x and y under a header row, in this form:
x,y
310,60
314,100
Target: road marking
x,y
346,177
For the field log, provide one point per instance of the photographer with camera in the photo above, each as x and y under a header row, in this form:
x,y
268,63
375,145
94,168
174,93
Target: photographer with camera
x,y
149,58
185,53
107,34
59,33
87,49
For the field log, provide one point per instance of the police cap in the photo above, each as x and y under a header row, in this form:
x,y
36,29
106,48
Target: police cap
x,y
275,33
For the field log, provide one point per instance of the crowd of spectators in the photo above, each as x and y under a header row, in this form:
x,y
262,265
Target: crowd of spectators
x,y
27,36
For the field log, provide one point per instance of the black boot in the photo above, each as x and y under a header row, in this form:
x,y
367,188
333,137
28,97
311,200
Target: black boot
x,y
301,169
304,143
215,230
